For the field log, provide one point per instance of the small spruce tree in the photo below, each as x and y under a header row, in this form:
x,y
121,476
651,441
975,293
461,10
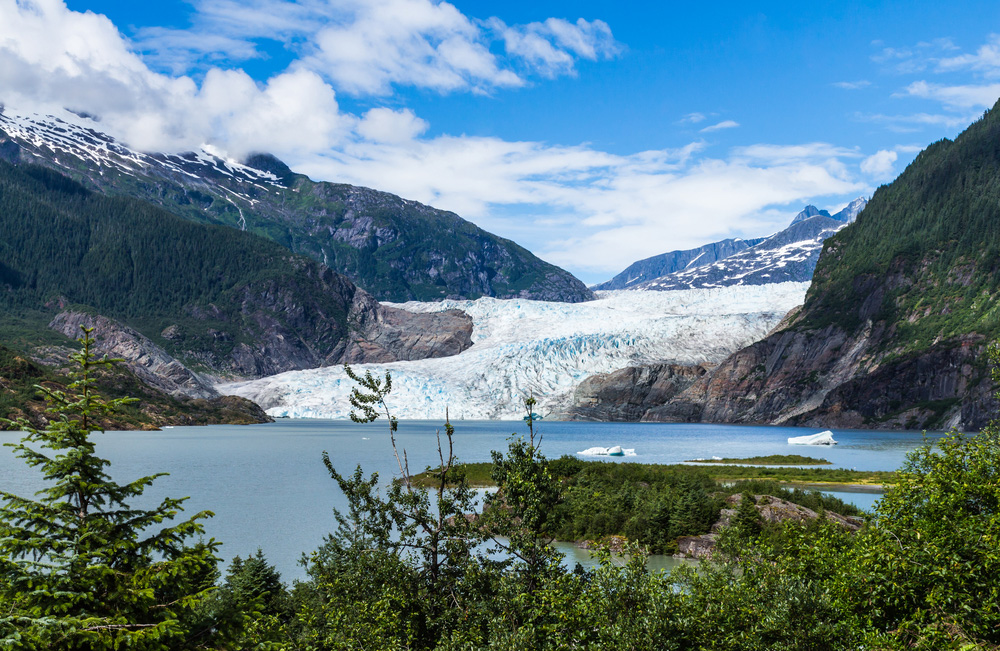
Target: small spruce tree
x,y
79,567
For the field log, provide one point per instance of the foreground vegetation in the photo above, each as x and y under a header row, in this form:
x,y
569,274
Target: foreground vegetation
x,y
405,569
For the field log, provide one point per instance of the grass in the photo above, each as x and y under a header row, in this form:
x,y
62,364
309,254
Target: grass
x,y
770,460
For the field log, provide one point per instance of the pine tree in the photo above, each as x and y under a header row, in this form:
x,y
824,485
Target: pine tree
x,y
79,567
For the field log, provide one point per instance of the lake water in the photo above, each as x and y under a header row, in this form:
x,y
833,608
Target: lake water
x,y
268,487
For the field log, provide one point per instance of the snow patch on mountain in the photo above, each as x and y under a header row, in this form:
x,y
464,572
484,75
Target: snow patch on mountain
x,y
78,136
541,348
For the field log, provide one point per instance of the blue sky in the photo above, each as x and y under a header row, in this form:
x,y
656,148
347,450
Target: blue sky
x,y
592,133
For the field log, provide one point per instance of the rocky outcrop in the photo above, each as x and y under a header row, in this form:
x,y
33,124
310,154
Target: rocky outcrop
x,y
627,394
827,378
150,363
386,334
771,509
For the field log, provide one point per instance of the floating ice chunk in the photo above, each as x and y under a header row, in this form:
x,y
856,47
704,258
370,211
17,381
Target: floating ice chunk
x,y
615,451
823,438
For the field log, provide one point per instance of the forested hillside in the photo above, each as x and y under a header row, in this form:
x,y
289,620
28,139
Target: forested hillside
x,y
223,300
394,248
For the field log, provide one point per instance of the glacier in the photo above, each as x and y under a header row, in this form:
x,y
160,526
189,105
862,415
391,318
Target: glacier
x,y
545,349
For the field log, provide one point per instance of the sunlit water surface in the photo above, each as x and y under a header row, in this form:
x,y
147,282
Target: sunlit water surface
x,y
268,487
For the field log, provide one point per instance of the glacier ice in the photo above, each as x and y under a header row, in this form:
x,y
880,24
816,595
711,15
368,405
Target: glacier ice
x,y
541,348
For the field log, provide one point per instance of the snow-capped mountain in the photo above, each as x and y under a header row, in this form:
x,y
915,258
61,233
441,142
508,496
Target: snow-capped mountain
x,y
73,141
394,248
787,256
666,263
546,349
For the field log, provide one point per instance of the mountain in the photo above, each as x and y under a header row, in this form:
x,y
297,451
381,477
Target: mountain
x,y
19,397
394,248
543,349
902,307
213,299
787,256
808,212
668,263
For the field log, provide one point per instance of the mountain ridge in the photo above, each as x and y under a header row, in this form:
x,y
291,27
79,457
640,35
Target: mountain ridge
x,y
395,248
790,255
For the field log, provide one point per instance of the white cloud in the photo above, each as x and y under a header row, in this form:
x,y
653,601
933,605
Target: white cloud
x,y
956,97
986,59
880,165
550,46
725,124
692,118
365,47
384,125
917,121
853,85
600,211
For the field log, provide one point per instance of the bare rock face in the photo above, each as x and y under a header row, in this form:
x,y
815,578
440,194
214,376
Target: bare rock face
x,y
387,334
149,362
828,378
627,394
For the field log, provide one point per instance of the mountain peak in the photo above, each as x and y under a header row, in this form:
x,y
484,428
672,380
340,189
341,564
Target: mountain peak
x,y
850,212
809,212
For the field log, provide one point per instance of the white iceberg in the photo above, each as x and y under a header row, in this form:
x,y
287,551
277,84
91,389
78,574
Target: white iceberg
x,y
823,438
614,451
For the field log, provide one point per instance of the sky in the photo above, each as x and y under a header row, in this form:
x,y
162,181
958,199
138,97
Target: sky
x,y
594,134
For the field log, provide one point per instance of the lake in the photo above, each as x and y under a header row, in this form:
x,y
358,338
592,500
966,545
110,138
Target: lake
x,y
268,487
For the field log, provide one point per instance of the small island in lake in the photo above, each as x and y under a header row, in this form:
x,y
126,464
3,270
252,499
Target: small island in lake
x,y
769,460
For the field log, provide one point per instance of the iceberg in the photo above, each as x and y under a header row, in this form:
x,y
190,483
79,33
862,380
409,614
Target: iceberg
x,y
614,451
822,438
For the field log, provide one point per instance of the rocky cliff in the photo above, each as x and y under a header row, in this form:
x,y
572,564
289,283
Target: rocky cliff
x,y
627,394
149,362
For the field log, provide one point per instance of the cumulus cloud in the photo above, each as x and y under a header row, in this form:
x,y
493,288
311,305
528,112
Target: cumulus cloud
x,y
880,165
382,125
552,46
725,124
366,47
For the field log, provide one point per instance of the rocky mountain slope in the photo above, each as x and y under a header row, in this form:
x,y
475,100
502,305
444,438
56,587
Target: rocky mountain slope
x,y
211,298
787,256
19,398
901,309
393,248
